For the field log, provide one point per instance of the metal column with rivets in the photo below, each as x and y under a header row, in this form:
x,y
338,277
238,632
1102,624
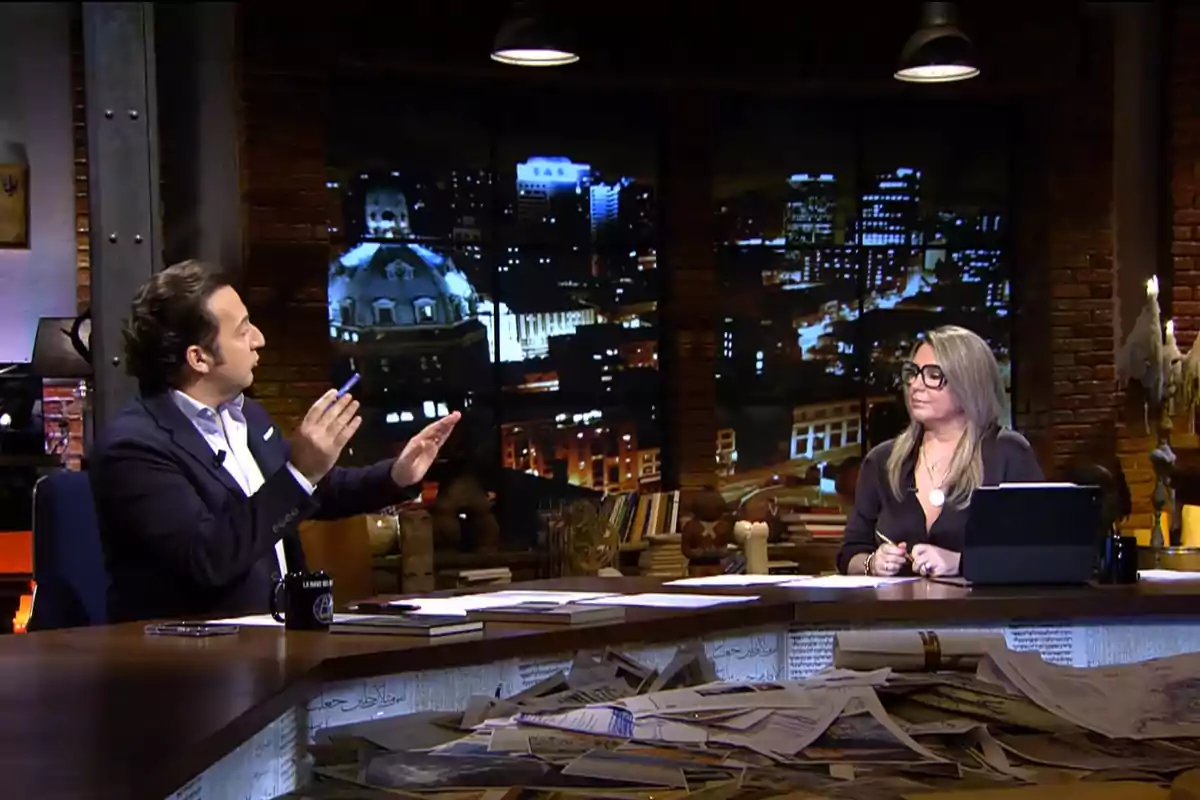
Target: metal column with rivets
x,y
123,205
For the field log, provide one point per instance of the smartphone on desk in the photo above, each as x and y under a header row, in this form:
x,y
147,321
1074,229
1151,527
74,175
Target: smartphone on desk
x,y
191,630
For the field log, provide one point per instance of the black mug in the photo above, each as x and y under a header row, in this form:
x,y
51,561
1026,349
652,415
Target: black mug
x,y
307,601
1120,562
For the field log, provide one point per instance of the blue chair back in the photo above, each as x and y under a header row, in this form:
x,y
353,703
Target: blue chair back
x,y
68,560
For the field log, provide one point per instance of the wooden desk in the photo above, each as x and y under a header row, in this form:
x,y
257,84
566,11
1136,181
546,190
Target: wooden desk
x,y
109,713
12,587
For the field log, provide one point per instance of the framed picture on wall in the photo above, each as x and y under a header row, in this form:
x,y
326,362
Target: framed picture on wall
x,y
14,198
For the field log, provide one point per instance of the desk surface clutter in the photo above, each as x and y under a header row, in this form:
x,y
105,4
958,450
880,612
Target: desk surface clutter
x,y
111,712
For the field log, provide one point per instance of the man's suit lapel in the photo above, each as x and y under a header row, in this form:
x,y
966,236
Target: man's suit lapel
x,y
181,430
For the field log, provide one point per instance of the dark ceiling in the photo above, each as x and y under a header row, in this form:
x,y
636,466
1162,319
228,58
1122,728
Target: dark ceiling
x,y
753,43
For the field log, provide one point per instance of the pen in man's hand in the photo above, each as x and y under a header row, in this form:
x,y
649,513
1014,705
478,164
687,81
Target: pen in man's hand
x,y
886,540
346,387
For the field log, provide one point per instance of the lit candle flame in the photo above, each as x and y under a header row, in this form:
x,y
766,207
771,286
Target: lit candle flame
x,y
1152,287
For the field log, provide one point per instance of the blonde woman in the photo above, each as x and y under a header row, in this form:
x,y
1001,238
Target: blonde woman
x,y
915,489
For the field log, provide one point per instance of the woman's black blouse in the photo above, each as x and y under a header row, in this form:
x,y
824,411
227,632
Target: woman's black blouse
x,y
1007,458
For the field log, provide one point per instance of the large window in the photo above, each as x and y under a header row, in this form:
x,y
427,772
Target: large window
x,y
496,252
842,235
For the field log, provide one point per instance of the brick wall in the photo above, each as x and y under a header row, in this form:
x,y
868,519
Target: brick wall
x,y
61,408
1063,271
286,223
688,339
83,259
1077,203
1184,115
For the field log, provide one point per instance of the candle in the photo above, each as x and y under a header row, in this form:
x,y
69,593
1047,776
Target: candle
x,y
1172,366
1152,287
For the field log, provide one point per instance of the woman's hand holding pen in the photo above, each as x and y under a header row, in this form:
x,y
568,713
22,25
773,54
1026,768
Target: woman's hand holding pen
x,y
888,558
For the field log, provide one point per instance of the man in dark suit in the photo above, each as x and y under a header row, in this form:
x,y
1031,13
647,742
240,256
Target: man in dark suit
x,y
198,492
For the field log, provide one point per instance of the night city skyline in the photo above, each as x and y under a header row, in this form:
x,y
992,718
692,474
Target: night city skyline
x,y
534,290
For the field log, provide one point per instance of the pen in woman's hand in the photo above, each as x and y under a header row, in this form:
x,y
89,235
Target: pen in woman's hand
x,y
888,541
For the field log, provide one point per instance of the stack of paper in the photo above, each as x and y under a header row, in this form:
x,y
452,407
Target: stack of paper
x,y
733,580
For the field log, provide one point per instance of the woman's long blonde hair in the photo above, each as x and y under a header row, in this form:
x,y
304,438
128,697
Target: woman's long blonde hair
x,y
974,382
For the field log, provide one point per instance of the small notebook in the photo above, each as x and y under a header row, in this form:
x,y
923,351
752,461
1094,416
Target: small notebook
x,y
399,625
548,614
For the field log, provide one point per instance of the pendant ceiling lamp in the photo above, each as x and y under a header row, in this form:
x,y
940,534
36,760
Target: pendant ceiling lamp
x,y
939,52
525,40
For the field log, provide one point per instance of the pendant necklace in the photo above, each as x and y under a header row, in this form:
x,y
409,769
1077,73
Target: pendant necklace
x,y
936,496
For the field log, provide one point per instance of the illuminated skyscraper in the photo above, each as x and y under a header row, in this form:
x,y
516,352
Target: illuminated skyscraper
x,y
810,211
605,203
889,211
554,200
543,180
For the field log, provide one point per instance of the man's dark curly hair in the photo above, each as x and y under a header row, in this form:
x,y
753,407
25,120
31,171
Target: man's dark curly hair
x,y
169,315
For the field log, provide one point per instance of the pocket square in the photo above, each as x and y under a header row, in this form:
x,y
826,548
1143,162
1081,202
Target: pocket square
x,y
270,432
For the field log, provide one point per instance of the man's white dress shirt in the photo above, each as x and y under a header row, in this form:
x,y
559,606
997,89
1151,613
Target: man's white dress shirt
x,y
226,431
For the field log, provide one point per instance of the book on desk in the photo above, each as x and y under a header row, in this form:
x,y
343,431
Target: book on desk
x,y
548,614
408,625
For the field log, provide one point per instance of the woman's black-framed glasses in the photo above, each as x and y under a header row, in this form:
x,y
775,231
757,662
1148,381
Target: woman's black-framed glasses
x,y
931,375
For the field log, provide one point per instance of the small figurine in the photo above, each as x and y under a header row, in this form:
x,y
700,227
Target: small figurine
x,y
1162,459
708,534
463,518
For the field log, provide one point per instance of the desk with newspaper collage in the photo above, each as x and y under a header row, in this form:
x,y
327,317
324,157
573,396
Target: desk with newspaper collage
x,y
899,714
725,688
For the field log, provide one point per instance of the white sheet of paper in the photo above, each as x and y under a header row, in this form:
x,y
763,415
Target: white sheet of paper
x,y
460,605
653,600
843,582
733,580
1167,575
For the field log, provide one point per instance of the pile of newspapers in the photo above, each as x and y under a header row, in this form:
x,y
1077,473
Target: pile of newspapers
x,y
613,728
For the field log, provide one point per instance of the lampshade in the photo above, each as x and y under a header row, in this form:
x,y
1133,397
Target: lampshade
x,y
524,41
939,52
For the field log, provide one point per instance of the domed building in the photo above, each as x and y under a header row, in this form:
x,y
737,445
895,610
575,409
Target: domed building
x,y
381,286
403,316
